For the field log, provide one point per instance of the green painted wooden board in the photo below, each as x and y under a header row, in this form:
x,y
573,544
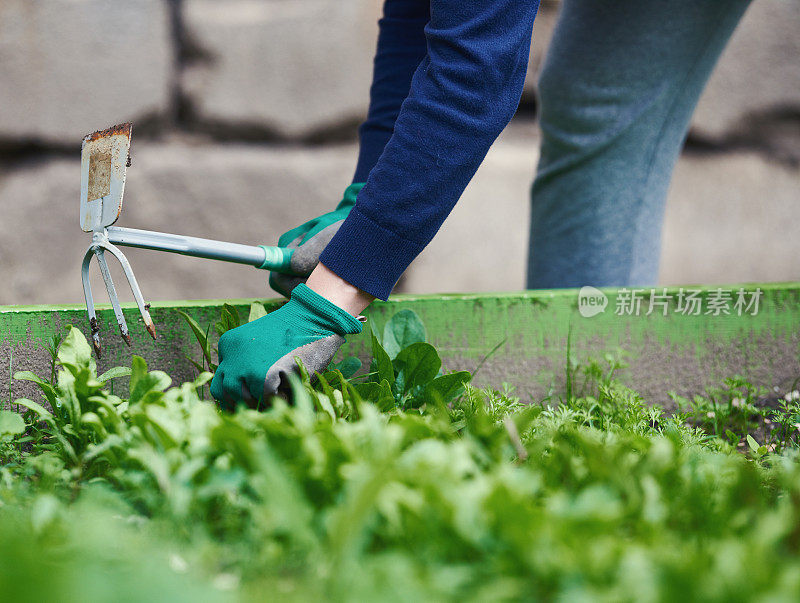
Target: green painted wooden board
x,y
666,349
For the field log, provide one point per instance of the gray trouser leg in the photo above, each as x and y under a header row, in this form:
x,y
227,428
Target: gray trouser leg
x,y
620,83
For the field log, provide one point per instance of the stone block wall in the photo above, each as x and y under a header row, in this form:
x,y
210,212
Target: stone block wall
x,y
68,65
289,68
245,114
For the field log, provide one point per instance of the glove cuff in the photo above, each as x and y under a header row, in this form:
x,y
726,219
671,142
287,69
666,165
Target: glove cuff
x,y
350,195
335,318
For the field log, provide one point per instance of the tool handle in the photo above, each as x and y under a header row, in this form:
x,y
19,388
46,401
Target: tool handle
x,y
277,259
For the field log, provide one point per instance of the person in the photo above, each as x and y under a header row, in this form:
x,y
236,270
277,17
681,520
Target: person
x,y
617,91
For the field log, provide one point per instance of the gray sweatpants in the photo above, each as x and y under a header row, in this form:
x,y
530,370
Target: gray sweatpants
x,y
619,85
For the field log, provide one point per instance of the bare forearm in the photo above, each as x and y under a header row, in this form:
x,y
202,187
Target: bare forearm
x,y
337,290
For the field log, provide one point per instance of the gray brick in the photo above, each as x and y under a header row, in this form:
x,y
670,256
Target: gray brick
x,y
731,218
69,67
289,67
758,73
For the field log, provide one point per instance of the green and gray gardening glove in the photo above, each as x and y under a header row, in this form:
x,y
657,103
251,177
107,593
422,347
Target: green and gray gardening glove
x,y
256,358
309,241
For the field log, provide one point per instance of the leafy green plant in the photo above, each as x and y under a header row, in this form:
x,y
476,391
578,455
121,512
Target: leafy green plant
x,y
202,335
373,487
786,421
51,345
229,319
738,412
406,371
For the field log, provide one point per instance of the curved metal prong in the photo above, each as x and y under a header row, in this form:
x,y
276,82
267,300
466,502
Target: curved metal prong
x,y
112,294
87,295
137,293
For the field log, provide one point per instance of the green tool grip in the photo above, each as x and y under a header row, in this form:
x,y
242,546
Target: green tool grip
x,y
278,259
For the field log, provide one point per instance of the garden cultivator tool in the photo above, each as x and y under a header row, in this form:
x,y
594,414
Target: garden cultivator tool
x,y
105,157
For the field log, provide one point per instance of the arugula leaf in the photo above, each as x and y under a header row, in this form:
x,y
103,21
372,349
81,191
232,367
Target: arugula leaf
x,y
402,330
416,365
383,364
35,407
11,423
114,373
347,367
379,394
446,388
75,351
47,388
201,336
145,383
257,310
229,319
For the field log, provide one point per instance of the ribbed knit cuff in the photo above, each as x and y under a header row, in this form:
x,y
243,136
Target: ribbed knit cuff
x,y
369,256
338,320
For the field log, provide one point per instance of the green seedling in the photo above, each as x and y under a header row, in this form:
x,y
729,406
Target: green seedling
x,y
399,478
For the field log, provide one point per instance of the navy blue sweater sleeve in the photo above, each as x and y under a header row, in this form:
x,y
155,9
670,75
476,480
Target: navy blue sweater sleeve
x,y
401,48
462,95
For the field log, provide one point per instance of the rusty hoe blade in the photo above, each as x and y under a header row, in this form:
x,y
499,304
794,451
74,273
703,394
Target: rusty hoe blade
x,y
105,157
104,161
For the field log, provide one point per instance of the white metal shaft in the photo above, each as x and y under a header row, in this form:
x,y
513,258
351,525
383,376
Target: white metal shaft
x,y
184,245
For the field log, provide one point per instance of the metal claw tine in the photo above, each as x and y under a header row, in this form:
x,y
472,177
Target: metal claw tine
x,y
105,155
87,294
112,294
98,249
137,293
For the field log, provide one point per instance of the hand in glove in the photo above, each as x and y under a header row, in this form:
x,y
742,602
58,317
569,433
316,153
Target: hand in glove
x,y
256,358
309,241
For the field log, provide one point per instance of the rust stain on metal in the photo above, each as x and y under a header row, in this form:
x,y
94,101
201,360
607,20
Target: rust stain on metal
x,y
148,321
95,339
124,129
100,165
105,155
